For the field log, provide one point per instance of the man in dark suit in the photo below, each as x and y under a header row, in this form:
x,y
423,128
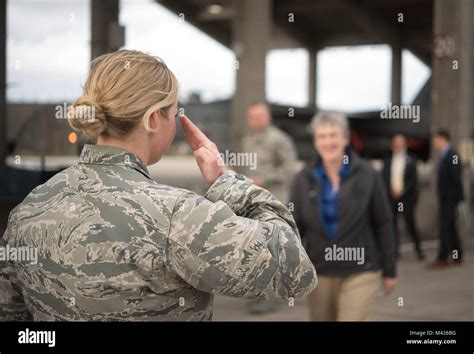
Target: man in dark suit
x,y
401,179
450,193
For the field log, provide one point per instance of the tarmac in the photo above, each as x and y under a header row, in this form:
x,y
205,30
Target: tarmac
x,y
421,295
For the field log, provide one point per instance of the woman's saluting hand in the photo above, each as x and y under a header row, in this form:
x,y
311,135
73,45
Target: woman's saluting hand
x,y
204,150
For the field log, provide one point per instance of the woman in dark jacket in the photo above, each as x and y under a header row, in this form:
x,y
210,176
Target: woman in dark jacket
x,y
343,215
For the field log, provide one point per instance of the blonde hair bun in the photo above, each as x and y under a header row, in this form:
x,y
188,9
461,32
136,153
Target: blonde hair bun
x,y
86,115
123,89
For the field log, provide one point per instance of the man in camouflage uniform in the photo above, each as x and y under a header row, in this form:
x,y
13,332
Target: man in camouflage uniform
x,y
276,158
113,244
275,151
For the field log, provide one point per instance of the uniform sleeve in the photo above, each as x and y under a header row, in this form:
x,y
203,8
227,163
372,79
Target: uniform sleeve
x,y
239,241
286,157
12,304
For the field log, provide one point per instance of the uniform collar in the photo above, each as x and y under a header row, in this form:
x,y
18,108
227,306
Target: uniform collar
x,y
108,155
264,132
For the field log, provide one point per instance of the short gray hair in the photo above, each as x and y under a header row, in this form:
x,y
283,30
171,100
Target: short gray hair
x,y
332,118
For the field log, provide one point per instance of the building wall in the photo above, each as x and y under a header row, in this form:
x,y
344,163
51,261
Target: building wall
x,y
35,130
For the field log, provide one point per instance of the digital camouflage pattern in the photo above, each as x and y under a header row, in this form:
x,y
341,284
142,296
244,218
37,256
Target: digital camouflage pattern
x,y
115,245
276,159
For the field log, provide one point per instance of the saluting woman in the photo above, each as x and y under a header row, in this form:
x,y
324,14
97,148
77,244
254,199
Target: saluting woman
x,y
113,244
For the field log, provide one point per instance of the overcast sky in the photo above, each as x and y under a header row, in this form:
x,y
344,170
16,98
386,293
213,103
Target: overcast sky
x,y
48,57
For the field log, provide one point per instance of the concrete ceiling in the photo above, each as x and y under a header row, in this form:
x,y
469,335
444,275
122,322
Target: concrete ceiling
x,y
324,23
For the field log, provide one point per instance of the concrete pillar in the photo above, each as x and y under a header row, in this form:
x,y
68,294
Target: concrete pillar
x,y
466,74
396,93
251,29
453,78
3,83
106,34
465,128
453,58
312,77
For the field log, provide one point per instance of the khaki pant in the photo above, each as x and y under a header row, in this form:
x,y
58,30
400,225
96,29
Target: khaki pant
x,y
344,298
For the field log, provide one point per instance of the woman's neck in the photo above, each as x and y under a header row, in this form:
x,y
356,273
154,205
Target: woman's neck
x,y
129,144
332,167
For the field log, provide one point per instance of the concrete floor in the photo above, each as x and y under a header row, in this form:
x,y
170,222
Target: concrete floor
x,y
428,295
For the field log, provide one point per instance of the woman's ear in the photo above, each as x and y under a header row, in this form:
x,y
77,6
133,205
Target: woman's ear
x,y
154,121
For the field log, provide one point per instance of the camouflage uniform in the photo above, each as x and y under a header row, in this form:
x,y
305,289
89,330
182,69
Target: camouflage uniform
x,y
115,245
276,157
